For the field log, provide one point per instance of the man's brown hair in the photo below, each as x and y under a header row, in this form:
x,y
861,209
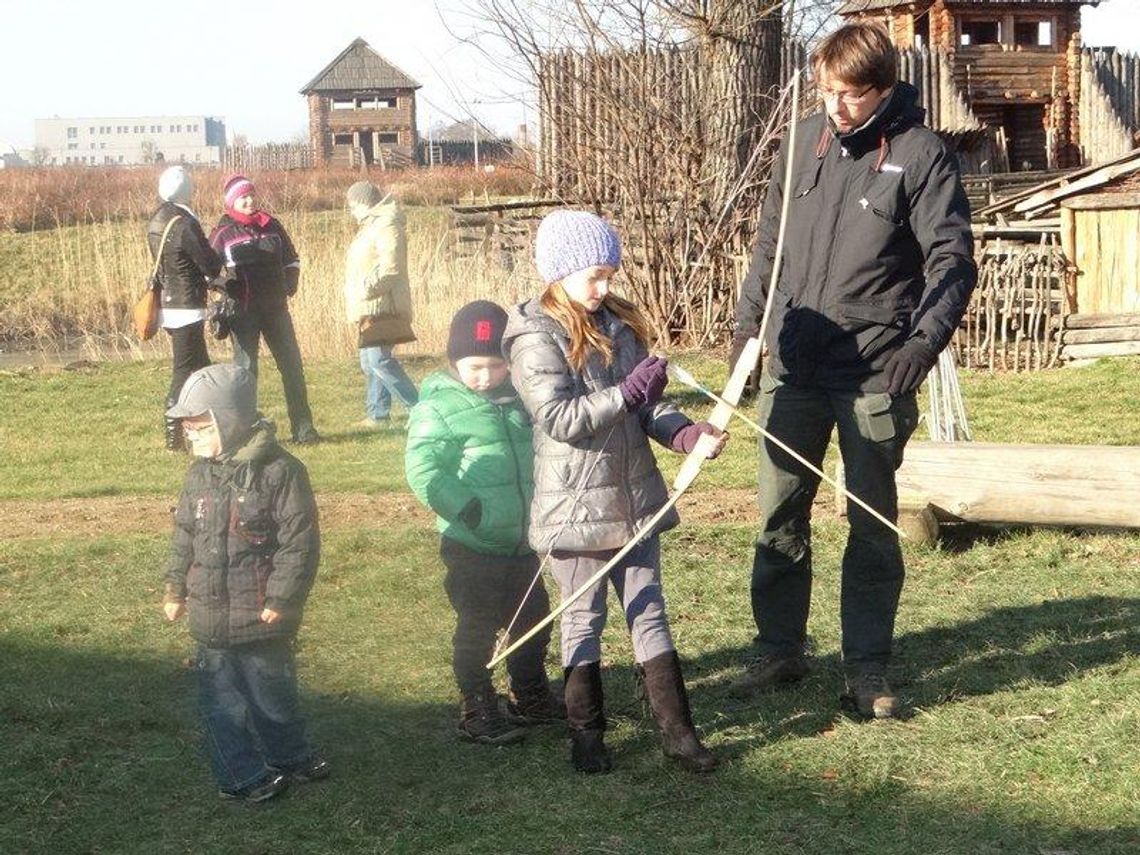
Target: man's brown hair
x,y
860,54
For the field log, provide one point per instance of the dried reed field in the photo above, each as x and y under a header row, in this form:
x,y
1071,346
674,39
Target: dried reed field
x,y
77,281
33,199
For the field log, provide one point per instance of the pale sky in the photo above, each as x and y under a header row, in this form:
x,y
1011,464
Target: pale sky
x,y
246,61
242,61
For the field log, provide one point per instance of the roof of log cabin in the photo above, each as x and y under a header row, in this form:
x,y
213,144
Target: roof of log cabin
x,y
359,68
853,7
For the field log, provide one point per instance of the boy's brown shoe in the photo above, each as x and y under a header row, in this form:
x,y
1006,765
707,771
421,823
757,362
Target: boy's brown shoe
x,y
769,672
481,720
869,695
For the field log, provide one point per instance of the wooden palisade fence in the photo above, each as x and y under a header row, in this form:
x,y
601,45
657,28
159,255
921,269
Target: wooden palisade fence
x,y
1109,105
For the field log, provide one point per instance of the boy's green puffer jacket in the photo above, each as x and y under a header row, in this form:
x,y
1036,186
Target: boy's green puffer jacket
x,y
462,446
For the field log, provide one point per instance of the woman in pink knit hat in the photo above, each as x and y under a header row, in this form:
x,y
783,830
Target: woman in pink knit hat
x,y
264,270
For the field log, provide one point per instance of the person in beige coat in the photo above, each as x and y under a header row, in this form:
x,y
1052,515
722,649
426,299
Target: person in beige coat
x,y
377,298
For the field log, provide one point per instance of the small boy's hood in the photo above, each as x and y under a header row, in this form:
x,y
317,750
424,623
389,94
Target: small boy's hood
x,y
229,393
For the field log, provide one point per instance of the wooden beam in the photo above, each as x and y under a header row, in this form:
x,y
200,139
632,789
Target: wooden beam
x,y
1101,335
1096,351
1102,202
1093,320
1042,484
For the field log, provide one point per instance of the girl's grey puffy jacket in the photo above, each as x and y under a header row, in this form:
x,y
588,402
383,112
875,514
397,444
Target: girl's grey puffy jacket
x,y
595,478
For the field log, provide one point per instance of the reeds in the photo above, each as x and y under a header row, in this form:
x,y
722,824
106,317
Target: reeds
x,y
34,199
77,281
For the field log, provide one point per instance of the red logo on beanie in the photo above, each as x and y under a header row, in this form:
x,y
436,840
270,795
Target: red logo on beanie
x,y
482,331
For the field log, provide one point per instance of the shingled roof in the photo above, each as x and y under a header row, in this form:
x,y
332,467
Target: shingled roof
x,y
359,68
852,7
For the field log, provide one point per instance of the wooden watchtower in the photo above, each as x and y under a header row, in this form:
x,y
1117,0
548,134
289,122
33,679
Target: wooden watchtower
x,y
1018,63
362,110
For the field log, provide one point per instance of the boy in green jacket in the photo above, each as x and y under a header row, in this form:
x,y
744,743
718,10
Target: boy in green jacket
x,y
470,459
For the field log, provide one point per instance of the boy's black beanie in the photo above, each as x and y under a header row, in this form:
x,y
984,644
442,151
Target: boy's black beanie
x,y
477,330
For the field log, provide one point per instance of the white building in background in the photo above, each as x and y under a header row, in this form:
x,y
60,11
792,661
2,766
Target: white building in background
x,y
116,141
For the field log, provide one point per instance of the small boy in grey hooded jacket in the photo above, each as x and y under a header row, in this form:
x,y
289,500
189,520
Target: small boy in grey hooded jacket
x,y
244,555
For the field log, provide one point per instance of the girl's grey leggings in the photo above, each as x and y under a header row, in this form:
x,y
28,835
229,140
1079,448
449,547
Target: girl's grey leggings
x,y
637,582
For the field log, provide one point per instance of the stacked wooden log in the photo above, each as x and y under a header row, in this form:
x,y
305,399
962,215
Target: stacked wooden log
x,y
1090,336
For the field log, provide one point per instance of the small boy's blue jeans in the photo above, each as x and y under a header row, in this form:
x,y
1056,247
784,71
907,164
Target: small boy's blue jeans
x,y
385,377
251,709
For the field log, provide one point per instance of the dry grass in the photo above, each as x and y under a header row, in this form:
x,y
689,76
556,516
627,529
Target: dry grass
x,y
79,282
73,258
33,199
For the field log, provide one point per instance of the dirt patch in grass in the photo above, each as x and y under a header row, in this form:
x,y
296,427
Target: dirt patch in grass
x,y
148,514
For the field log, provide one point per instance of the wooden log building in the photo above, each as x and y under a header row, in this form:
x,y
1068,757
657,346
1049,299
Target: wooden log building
x,y
362,111
1017,61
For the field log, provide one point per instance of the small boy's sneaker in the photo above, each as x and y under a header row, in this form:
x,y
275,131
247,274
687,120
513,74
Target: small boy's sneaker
x,y
480,720
316,768
269,787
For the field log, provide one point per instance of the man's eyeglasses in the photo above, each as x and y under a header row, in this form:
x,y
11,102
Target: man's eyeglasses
x,y
850,99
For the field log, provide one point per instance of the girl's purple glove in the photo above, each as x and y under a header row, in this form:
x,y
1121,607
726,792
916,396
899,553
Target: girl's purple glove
x,y
645,382
685,440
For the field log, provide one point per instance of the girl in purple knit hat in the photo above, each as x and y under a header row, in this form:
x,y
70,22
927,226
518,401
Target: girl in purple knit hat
x,y
580,361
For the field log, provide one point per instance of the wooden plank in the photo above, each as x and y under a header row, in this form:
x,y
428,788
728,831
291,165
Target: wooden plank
x,y
1086,182
1097,351
1100,335
1102,202
1091,320
1041,484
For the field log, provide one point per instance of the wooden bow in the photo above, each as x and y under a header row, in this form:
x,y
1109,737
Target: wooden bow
x,y
719,418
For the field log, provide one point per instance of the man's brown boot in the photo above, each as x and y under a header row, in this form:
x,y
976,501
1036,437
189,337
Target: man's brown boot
x,y
767,672
870,695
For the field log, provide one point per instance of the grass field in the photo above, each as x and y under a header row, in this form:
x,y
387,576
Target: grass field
x,y
1017,656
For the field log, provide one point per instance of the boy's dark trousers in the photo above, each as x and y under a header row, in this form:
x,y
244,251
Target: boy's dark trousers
x,y
251,709
485,590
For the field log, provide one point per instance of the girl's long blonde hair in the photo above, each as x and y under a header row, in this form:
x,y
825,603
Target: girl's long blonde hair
x,y
584,336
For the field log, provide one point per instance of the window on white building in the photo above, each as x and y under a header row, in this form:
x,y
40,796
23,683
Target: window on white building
x,y
72,133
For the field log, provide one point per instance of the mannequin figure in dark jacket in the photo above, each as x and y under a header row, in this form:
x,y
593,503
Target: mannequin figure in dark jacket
x,y
264,269
877,272
185,271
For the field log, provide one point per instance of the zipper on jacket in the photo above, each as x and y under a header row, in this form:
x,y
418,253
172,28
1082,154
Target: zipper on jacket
x,y
838,234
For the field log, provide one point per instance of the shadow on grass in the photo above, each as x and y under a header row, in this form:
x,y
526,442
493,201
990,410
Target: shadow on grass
x,y
100,755
1047,643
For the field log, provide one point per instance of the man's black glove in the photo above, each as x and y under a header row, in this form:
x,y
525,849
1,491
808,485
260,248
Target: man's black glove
x,y
472,514
752,384
909,366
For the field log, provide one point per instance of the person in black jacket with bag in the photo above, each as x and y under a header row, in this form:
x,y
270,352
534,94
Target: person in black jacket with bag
x,y
263,268
877,272
186,270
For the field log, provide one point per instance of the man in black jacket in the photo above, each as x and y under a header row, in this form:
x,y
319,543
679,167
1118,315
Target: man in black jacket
x,y
878,269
